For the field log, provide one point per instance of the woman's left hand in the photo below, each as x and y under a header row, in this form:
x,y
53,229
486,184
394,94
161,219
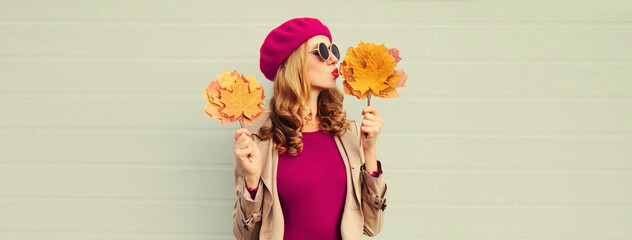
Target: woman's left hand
x,y
371,126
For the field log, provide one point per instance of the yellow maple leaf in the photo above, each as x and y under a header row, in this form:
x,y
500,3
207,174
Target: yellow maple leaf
x,y
234,97
227,79
211,94
369,69
242,102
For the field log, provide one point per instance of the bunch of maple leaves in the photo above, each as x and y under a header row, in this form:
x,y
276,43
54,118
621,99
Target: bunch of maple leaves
x,y
369,70
234,97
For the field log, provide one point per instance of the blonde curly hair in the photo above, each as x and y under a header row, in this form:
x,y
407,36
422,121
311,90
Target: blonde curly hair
x,y
291,92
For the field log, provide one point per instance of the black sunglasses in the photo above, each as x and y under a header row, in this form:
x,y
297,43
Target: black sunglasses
x,y
323,51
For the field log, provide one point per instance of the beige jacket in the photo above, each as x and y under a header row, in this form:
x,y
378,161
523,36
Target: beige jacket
x,y
261,218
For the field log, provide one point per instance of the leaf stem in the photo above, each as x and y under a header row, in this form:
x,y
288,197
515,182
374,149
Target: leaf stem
x,y
366,136
241,123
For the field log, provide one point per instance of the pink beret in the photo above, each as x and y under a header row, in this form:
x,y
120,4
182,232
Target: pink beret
x,y
282,41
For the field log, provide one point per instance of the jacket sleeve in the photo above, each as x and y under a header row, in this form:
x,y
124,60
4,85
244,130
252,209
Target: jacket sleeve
x,y
373,202
373,196
247,212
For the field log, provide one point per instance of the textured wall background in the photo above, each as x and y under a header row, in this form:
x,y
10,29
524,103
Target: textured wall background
x,y
516,123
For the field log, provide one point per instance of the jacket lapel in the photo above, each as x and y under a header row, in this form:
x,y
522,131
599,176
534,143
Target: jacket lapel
x,y
350,151
269,161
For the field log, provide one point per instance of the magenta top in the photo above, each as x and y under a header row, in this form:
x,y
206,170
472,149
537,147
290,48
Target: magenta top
x,y
312,188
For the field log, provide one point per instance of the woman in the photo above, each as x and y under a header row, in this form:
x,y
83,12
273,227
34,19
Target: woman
x,y
306,171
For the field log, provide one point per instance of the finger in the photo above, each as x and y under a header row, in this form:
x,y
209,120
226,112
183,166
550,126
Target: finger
x,y
243,146
369,109
239,153
238,142
253,144
244,130
243,138
370,129
246,141
369,125
243,153
368,135
241,131
373,120
248,154
376,113
370,116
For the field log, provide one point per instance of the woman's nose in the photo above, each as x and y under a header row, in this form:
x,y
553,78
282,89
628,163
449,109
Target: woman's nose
x,y
332,58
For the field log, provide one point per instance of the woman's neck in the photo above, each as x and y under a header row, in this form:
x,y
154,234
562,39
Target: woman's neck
x,y
310,122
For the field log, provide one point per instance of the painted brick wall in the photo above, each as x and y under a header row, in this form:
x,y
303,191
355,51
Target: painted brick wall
x,y
516,122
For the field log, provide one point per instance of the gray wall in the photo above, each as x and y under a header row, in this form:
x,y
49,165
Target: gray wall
x,y
516,123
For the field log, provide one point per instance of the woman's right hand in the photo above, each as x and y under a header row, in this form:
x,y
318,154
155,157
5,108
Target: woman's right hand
x,y
248,156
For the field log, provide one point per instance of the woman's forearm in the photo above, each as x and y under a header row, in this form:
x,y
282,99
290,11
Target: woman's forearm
x,y
370,159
